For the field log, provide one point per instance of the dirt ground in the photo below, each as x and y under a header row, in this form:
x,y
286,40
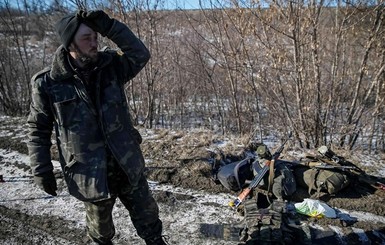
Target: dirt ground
x,y
193,170
185,160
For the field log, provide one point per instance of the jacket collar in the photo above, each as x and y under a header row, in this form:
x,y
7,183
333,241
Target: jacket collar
x,y
61,68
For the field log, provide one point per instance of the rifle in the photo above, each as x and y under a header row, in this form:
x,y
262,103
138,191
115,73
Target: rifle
x,y
335,159
360,174
257,179
321,164
326,166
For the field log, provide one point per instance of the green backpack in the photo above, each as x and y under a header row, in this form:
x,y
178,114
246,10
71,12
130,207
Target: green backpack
x,y
321,180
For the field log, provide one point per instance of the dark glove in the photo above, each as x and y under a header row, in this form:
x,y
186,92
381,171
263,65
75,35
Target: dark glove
x,y
46,182
136,135
97,20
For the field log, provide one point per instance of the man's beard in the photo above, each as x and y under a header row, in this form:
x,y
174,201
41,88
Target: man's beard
x,y
86,59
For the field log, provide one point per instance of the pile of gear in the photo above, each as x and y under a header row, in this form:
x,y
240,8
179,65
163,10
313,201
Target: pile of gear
x,y
267,185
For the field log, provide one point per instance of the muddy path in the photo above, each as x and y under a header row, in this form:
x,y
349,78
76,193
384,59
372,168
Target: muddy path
x,y
19,228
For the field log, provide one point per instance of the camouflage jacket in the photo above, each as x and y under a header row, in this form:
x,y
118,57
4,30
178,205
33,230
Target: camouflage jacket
x,y
84,128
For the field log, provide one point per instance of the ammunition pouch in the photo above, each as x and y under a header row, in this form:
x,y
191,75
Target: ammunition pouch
x,y
262,226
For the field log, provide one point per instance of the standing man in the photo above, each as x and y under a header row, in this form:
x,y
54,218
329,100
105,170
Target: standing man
x,y
82,96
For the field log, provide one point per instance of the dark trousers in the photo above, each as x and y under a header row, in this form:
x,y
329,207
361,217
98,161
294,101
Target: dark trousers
x,y
142,207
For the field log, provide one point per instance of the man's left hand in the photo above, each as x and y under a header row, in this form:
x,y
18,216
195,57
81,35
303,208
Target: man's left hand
x,y
97,20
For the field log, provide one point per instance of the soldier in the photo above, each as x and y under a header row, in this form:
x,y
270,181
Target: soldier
x,y
81,95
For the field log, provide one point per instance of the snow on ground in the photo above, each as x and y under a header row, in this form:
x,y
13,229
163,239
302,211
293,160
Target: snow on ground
x,y
182,219
183,213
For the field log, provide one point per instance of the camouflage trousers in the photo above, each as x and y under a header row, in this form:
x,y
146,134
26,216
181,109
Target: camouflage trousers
x,y
142,207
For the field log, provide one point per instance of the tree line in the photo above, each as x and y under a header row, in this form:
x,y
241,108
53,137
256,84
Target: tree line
x,y
316,68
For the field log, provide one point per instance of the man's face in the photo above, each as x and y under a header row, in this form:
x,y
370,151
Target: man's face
x,y
84,47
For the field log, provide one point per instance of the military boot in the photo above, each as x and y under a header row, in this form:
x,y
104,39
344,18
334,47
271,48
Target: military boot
x,y
106,243
97,242
157,241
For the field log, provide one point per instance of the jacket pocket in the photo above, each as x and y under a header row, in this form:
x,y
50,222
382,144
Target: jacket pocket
x,y
66,112
86,181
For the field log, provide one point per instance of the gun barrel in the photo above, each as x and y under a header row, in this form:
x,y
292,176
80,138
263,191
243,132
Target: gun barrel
x,y
253,184
260,176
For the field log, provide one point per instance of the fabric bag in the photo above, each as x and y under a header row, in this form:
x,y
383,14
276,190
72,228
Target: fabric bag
x,y
321,180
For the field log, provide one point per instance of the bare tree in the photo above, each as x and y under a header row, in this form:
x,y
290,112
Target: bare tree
x,y
234,66
17,63
296,39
